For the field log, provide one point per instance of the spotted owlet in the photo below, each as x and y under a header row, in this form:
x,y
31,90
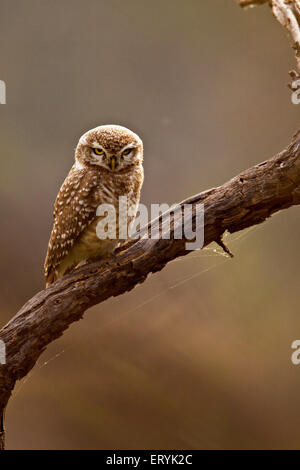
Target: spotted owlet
x,y
108,164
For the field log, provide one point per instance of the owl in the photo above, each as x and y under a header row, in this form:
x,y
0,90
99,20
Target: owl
x,y
108,164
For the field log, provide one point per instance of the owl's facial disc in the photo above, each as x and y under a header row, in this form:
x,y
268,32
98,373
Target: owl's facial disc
x,y
112,147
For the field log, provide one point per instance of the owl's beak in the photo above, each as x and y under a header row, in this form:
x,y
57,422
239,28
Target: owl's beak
x,y
113,163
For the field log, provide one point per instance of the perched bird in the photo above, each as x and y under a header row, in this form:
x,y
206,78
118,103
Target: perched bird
x,y
108,164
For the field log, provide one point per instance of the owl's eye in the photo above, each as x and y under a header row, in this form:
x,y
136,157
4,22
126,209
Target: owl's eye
x,y
127,152
98,151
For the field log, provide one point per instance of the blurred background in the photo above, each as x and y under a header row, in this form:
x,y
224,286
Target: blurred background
x,y
199,356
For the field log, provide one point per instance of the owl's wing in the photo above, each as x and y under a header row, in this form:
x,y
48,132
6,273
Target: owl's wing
x,y
75,208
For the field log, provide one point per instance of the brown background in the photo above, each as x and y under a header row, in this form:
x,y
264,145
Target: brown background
x,y
198,356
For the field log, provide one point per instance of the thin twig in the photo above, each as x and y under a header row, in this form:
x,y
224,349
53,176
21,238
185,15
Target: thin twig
x,y
287,12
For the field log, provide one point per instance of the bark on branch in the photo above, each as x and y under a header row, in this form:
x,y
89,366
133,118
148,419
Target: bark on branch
x,y
246,200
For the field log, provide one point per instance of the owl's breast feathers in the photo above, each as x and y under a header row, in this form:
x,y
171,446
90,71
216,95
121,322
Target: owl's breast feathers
x,y
75,213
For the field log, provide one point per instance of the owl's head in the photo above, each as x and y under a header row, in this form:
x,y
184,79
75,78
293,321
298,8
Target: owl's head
x,y
112,147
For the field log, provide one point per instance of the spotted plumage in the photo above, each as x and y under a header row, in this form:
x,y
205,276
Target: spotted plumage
x,y
108,164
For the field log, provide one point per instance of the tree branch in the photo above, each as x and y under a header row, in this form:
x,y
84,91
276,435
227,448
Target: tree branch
x,y
246,200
